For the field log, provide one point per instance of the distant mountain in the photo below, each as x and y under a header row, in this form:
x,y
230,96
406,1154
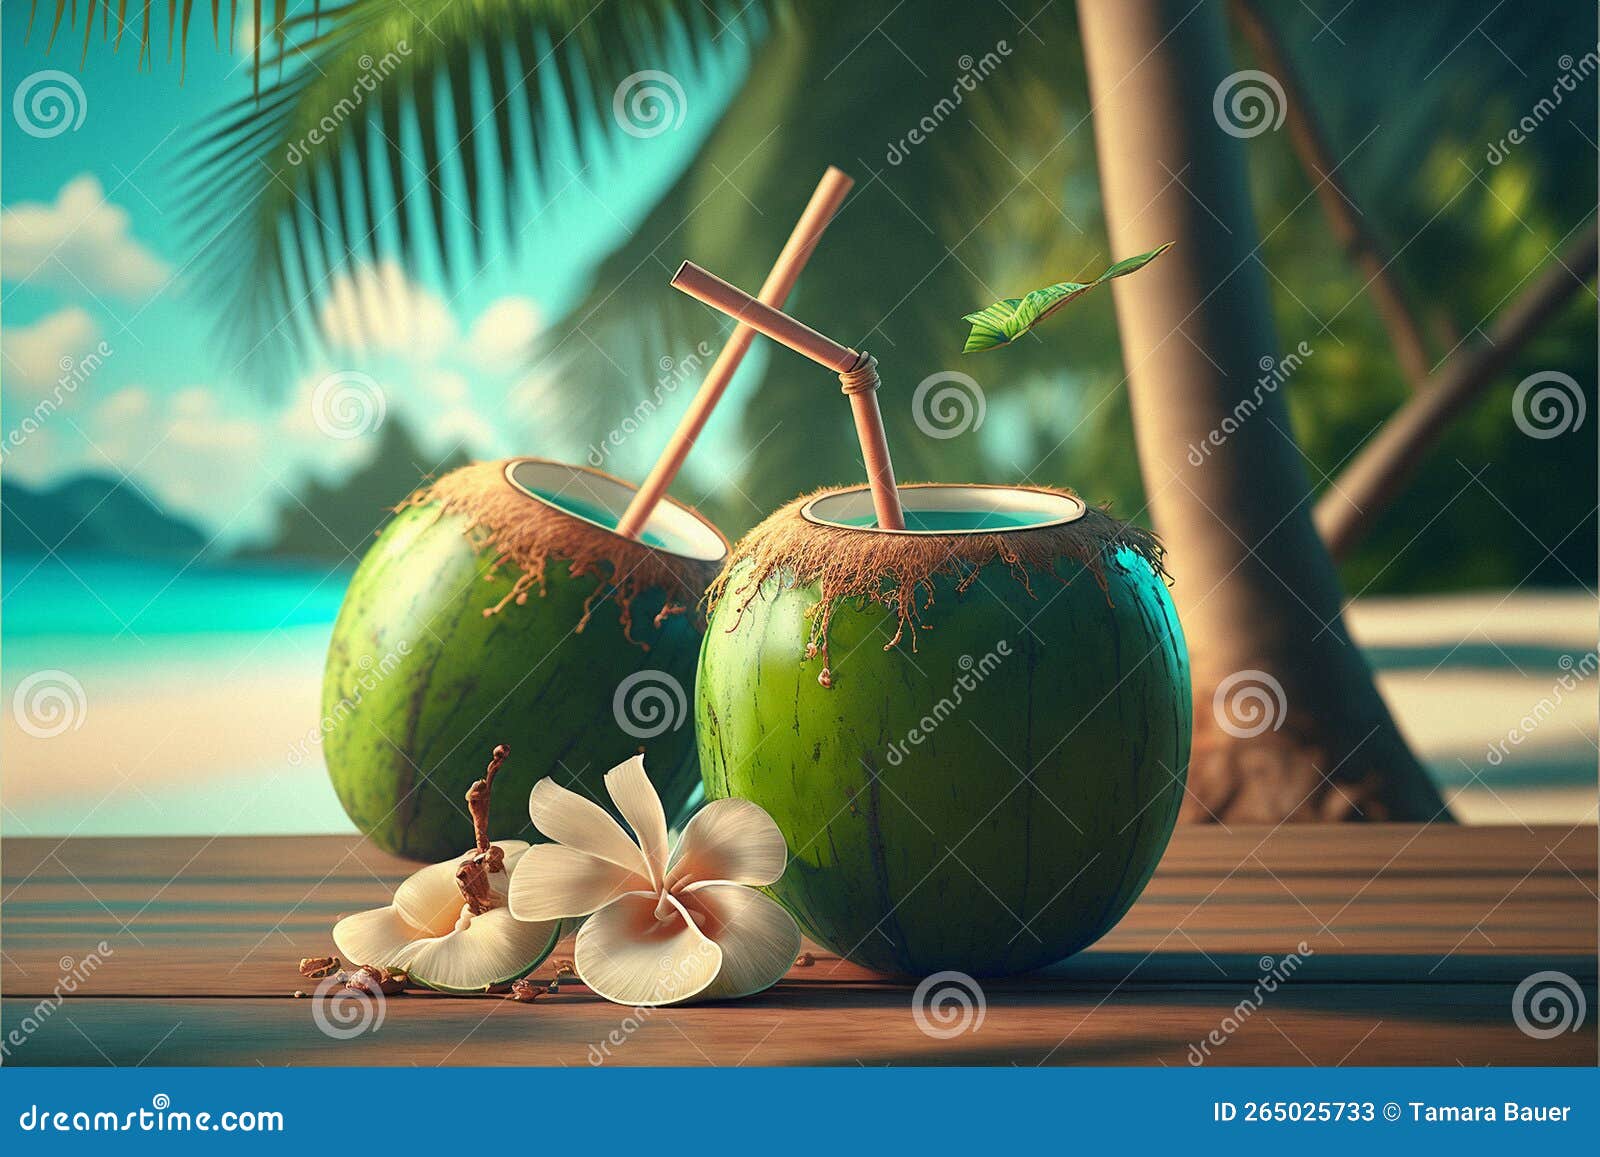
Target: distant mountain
x,y
329,523
92,513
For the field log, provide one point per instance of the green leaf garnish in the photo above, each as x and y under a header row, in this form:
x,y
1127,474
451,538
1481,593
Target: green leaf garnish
x,y
1005,321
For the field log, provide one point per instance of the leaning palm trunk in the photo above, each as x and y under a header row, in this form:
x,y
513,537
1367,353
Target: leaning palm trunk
x,y
1288,722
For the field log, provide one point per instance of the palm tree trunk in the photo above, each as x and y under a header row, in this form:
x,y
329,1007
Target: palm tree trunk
x,y
1288,722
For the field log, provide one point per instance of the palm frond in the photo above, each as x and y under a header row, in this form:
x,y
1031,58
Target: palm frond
x,y
411,130
179,17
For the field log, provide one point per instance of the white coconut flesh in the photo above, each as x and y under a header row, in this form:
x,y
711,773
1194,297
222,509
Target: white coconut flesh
x,y
429,933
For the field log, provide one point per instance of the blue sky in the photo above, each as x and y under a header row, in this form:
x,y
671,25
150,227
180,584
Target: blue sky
x,y
95,251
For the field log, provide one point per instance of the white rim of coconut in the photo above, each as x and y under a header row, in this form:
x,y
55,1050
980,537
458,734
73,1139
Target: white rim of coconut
x,y
687,533
1043,507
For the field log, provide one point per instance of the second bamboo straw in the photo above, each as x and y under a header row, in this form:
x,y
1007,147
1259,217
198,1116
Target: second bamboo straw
x,y
857,372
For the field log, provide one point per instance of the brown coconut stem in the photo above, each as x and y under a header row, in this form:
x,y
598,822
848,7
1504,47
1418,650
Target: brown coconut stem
x,y
857,372
829,195
472,874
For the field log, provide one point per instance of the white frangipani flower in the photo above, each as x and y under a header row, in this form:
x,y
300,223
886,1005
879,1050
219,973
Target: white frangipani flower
x,y
664,928
448,926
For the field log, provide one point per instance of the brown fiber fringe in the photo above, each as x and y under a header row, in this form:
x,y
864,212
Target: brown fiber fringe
x,y
897,571
529,534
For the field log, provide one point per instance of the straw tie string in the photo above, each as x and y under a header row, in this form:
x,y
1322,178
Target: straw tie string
x,y
863,379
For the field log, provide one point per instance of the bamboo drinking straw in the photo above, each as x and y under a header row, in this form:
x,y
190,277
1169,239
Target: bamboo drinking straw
x,y
858,375
796,252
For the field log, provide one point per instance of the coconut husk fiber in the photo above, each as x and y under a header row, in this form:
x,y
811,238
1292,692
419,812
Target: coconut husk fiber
x,y
898,571
529,535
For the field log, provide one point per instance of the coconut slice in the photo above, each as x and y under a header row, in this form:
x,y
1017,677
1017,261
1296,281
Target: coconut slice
x,y
448,926
431,933
492,949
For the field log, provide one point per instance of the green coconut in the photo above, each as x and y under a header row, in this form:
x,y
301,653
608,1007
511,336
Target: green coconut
x,y
974,743
499,606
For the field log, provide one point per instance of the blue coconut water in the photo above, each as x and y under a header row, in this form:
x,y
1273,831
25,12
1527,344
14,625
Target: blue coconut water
x,y
951,521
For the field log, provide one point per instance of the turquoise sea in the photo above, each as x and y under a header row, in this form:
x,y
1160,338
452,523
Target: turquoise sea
x,y
144,698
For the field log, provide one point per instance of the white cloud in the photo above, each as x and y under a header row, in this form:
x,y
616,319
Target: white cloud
x,y
214,453
308,442
379,309
80,240
499,339
449,386
461,428
40,355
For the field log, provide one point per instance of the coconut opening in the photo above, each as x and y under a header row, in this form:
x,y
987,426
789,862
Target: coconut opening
x,y
530,513
600,500
830,540
935,508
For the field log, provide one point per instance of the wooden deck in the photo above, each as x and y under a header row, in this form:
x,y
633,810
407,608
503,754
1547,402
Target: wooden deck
x,y
1416,939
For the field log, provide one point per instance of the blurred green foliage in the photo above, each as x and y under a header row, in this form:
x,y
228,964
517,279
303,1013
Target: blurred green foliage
x,y
1001,195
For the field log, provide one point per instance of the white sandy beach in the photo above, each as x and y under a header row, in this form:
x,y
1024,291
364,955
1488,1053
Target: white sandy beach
x,y
207,735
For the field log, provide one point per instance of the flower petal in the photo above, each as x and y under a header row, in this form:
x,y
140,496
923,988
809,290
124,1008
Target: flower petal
x,y
628,956
729,839
639,804
494,948
758,938
380,937
552,880
567,818
429,898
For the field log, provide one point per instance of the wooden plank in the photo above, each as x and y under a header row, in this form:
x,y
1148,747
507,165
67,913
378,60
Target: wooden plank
x,y
1415,940
837,1025
231,917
